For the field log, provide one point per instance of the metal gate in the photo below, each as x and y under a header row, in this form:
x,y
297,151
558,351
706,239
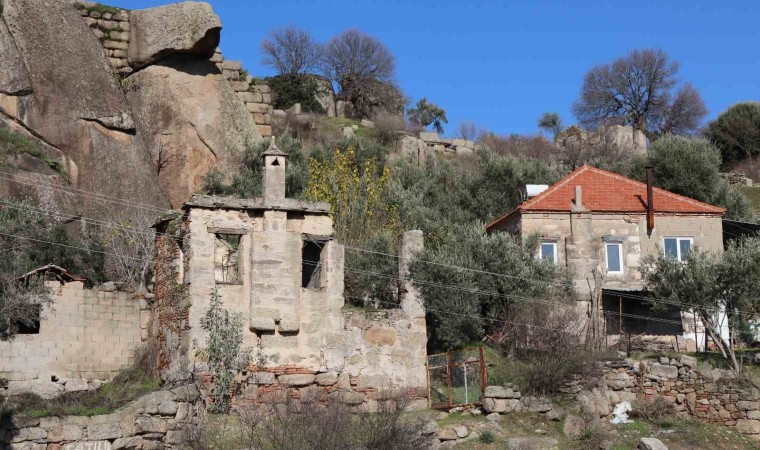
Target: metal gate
x,y
456,378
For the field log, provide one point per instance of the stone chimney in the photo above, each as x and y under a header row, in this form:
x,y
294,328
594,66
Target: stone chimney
x,y
274,174
578,202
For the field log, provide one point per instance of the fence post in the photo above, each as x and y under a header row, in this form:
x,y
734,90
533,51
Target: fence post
x,y
448,377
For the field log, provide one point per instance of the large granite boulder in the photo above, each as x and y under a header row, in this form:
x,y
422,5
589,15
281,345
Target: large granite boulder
x,y
14,80
76,105
187,27
325,95
190,119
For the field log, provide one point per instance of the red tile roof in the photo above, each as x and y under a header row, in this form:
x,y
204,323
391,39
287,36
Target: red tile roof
x,y
607,192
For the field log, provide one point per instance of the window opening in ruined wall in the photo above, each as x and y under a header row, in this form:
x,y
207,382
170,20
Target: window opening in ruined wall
x,y
227,258
311,263
32,326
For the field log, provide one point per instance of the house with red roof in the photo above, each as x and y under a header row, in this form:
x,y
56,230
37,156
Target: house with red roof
x,y
595,221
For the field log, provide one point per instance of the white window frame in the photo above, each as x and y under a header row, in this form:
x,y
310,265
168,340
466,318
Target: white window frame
x,y
554,247
620,258
679,256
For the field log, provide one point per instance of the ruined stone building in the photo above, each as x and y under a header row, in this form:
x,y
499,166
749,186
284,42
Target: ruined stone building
x,y
82,338
598,220
274,260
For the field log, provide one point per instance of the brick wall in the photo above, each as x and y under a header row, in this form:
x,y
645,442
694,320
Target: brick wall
x,y
86,336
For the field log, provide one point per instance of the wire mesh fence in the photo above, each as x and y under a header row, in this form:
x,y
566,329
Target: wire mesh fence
x,y
456,378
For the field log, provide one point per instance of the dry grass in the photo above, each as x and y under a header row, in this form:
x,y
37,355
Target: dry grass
x,y
312,424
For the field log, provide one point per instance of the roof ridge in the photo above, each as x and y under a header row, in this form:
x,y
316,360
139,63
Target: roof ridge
x,y
666,192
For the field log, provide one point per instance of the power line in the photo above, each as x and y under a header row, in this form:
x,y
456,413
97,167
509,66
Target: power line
x,y
80,192
548,283
69,216
41,241
346,268
116,200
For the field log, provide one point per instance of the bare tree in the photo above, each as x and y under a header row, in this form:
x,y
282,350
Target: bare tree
x,y
291,51
131,244
355,55
637,90
467,130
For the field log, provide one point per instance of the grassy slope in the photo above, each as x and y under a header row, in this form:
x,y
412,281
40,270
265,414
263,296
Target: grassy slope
x,y
753,194
676,434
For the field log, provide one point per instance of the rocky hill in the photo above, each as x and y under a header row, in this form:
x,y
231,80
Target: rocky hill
x,y
135,105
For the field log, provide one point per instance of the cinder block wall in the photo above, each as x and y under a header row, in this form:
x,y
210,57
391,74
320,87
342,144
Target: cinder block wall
x,y
86,336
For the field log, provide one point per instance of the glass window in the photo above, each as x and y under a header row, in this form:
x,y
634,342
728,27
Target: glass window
x,y
549,251
614,258
683,246
671,247
677,247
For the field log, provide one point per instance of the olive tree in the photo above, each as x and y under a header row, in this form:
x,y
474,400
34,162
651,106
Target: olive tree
x,y
709,285
736,132
465,306
691,167
640,89
291,51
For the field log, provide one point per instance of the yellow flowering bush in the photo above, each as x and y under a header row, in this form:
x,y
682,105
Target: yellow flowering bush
x,y
357,195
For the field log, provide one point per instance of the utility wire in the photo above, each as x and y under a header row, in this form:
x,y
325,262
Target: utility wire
x,y
528,300
116,200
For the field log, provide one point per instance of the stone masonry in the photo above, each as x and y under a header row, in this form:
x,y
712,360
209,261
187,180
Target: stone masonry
x,y
86,336
710,395
159,420
257,97
111,26
286,279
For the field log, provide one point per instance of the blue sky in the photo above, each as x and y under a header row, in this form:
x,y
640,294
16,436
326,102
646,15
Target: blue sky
x,y
502,63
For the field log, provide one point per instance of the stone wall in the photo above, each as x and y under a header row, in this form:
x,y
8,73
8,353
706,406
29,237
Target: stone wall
x,y
159,420
257,97
111,26
303,340
418,150
710,395
737,179
611,139
86,336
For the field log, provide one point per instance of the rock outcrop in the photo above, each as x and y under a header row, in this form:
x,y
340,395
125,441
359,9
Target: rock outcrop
x,y
124,104
14,80
187,27
190,119
75,103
